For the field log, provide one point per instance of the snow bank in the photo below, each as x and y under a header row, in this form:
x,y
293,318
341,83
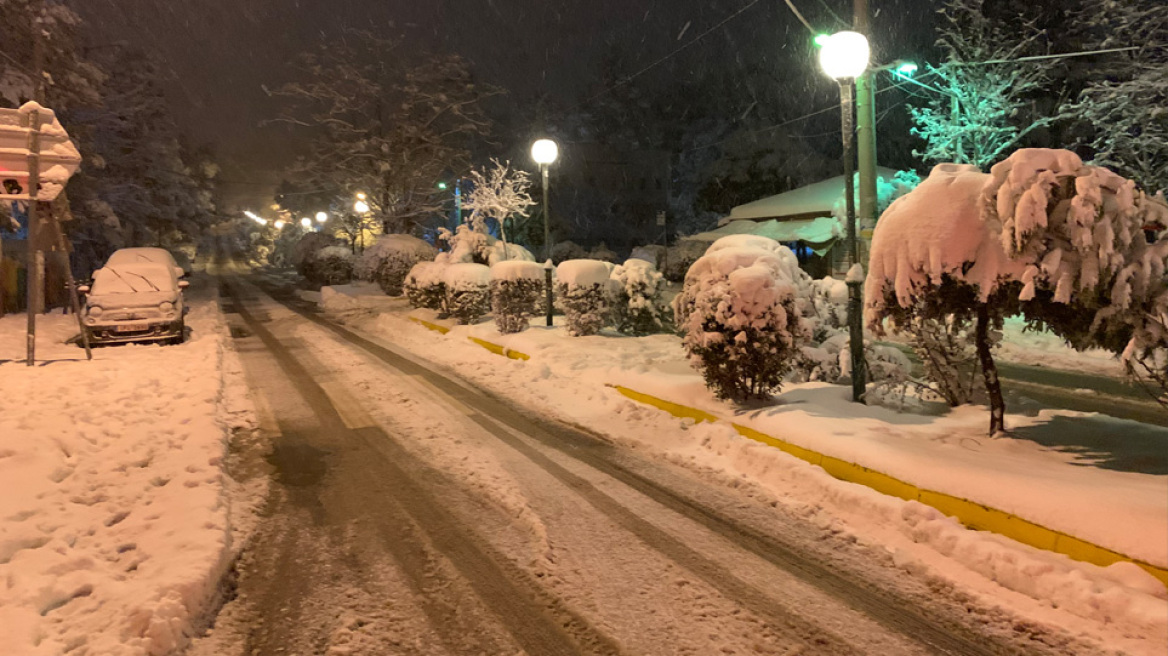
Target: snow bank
x,y
583,273
114,525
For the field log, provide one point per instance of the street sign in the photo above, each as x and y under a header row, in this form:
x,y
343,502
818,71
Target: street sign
x,y
661,218
58,156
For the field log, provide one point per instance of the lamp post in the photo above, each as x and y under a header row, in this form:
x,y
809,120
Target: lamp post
x,y
844,57
321,217
545,152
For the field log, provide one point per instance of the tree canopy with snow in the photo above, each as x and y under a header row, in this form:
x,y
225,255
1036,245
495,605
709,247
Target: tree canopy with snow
x,y
387,125
1042,235
984,109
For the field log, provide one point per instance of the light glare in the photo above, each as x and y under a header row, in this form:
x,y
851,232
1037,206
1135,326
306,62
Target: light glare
x,y
544,151
844,55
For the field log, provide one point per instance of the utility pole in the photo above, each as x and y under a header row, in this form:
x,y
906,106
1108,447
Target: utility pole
x,y
36,256
865,128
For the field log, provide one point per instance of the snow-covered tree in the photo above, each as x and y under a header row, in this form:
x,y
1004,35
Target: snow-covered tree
x,y
984,111
1043,235
1123,106
70,80
386,125
740,324
331,265
499,193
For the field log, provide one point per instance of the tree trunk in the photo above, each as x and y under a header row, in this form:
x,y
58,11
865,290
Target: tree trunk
x,y
990,371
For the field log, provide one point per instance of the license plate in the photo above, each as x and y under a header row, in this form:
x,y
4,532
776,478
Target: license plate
x,y
132,327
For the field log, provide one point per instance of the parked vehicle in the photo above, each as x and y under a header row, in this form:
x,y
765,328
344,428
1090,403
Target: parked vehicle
x,y
147,254
137,302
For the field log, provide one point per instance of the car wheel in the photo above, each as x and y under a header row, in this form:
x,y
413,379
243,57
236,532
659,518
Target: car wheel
x,y
182,333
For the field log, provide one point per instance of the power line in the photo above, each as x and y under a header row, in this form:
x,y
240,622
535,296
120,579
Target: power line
x,y
1064,55
798,15
671,54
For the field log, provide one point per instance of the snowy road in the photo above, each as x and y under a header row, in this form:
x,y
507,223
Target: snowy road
x,y
412,514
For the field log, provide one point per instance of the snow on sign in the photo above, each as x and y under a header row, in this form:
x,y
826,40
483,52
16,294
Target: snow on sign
x,y
58,156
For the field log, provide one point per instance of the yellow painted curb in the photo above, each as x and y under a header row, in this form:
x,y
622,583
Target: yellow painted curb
x,y
973,515
432,326
500,350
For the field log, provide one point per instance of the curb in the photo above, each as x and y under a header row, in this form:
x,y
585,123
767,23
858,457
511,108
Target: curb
x,y
970,513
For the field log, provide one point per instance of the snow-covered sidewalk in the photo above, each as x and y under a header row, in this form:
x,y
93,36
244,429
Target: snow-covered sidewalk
x,y
116,516
1065,489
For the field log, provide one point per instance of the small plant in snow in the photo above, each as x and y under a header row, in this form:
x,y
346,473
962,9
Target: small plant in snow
x,y
390,258
945,347
332,265
468,291
637,305
582,287
516,288
739,321
424,286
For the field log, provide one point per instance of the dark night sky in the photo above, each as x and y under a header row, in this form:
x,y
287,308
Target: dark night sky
x,y
223,52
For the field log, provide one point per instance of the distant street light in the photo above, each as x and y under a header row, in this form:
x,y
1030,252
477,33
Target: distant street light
x,y
844,57
361,207
321,217
442,186
360,195
306,223
279,225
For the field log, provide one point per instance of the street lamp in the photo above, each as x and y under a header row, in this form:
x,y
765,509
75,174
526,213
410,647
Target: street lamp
x,y
279,225
306,223
844,57
545,152
361,206
321,217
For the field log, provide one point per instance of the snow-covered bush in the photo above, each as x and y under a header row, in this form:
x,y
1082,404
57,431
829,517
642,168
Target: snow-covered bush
x,y
425,287
581,286
516,287
468,291
652,253
390,258
470,245
637,304
331,265
603,253
568,250
680,257
945,347
306,249
739,321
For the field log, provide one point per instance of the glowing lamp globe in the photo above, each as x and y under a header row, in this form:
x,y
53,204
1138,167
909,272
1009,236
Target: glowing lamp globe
x,y
279,225
321,217
844,55
361,206
544,151
306,223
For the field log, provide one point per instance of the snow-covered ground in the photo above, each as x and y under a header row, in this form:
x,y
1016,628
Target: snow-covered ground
x,y
1063,489
117,517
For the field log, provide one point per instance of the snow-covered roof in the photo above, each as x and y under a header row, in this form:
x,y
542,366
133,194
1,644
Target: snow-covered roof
x,y
816,198
818,233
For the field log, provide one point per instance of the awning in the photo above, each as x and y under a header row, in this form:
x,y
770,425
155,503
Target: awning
x,y
819,233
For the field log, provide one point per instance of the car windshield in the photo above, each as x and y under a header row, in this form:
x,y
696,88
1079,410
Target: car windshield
x,y
140,256
133,279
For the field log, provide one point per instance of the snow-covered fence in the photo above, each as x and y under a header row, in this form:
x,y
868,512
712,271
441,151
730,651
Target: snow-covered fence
x,y
331,265
516,287
582,286
637,304
468,291
424,286
739,320
390,258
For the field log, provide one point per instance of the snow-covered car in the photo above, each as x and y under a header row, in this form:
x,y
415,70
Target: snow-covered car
x,y
140,255
139,302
